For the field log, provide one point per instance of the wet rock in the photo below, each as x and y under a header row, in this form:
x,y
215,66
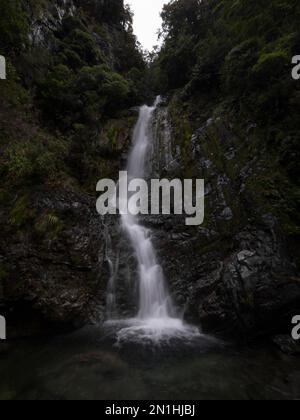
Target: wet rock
x,y
227,214
49,21
230,155
287,345
56,273
243,256
233,275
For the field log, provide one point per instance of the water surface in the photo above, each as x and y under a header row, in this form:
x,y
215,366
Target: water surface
x,y
88,366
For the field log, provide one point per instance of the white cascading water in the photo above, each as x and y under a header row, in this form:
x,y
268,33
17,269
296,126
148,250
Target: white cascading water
x,y
156,319
111,302
155,302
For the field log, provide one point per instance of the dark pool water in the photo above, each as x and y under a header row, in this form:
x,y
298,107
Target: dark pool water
x,y
86,366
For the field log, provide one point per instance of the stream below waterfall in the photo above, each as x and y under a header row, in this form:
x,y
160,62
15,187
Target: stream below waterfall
x,y
87,365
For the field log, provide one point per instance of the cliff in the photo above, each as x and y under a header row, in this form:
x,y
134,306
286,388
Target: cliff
x,y
231,117
72,72
237,274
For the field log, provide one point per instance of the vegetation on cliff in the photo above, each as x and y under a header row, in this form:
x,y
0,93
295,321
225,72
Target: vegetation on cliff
x,y
231,61
72,68
75,70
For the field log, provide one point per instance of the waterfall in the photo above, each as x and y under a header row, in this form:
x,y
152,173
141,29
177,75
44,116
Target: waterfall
x,y
154,299
156,318
111,303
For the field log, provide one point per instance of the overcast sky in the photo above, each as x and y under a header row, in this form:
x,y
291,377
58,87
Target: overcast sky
x,y
147,20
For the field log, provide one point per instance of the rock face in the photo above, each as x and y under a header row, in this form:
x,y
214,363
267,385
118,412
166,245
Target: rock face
x,y
123,273
49,20
55,266
60,132
235,274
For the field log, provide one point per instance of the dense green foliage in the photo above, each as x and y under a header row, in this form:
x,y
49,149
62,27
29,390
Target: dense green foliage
x,y
232,60
70,73
13,26
239,50
72,78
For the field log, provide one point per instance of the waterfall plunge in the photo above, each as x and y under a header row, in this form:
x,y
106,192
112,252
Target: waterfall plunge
x,y
156,319
155,302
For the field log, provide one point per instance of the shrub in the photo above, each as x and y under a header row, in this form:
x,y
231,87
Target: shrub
x,y
101,89
13,27
270,66
236,72
57,98
84,45
35,159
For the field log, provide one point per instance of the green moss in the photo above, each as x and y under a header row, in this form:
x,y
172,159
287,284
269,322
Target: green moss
x,y
182,134
21,215
49,225
270,63
18,162
113,136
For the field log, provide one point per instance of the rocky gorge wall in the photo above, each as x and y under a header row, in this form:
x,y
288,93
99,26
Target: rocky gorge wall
x,y
65,123
237,274
232,118
60,54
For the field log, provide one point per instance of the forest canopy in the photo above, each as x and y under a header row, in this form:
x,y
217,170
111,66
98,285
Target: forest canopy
x,y
72,67
239,50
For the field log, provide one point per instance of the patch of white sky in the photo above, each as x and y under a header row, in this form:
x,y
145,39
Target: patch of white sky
x,y
147,21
